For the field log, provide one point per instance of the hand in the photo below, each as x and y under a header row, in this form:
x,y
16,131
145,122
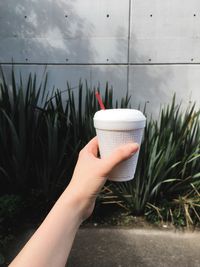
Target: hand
x,y
51,243
90,173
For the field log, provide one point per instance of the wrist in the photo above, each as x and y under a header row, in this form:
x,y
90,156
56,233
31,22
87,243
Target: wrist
x,y
81,204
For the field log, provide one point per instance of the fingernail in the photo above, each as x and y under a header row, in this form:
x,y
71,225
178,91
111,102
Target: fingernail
x,y
135,147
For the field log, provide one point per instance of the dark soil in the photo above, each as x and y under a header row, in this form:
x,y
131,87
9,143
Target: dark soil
x,y
113,215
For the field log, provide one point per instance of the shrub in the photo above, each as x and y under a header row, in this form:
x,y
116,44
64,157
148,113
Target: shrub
x,y
169,161
41,134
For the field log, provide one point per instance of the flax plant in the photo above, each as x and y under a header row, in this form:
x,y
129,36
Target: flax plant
x,y
42,131
169,160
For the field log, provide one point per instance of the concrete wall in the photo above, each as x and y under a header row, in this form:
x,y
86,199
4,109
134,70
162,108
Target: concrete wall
x,y
150,47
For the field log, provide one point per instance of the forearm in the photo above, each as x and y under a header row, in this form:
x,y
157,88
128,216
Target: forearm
x,y
51,243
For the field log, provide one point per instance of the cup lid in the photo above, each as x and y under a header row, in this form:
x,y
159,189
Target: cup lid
x,y
119,119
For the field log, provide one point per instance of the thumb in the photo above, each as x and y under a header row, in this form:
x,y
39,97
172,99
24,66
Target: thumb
x,y
120,154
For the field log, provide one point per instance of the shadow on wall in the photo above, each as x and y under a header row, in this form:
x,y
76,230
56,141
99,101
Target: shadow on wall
x,y
42,32
148,83
53,31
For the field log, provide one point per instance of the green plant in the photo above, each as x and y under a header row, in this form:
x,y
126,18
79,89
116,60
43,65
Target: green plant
x,y
169,160
41,134
181,211
19,125
10,207
4,243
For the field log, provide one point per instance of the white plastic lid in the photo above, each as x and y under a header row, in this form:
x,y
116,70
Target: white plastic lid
x,y
119,119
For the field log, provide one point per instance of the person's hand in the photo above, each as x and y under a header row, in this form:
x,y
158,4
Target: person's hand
x,y
51,243
90,173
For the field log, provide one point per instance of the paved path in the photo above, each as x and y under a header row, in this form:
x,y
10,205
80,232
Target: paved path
x,y
134,248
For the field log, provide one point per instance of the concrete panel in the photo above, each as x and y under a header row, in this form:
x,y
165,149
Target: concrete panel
x,y
50,31
88,18
59,75
157,84
116,76
165,31
25,19
70,19
43,50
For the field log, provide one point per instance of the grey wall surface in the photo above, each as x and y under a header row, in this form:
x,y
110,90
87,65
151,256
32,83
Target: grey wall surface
x,y
150,47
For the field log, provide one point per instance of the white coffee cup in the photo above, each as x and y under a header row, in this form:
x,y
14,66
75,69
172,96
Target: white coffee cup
x,y
115,127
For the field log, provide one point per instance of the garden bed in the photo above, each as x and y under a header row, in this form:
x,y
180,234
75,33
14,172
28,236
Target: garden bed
x,y
41,136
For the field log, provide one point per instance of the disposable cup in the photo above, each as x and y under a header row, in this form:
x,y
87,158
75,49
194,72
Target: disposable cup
x,y
115,127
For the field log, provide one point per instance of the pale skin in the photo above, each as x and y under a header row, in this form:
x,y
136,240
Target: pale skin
x,y
51,243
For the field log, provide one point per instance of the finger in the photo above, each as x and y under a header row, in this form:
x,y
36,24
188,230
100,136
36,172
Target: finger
x,y
92,147
120,154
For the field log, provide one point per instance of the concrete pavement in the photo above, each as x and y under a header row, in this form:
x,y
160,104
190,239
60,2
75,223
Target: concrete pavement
x,y
117,247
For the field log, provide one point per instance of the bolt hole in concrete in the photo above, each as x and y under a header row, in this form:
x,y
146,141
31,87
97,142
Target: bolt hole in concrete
x,y
149,59
194,15
66,16
107,15
25,17
192,59
107,59
67,59
151,15
26,59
